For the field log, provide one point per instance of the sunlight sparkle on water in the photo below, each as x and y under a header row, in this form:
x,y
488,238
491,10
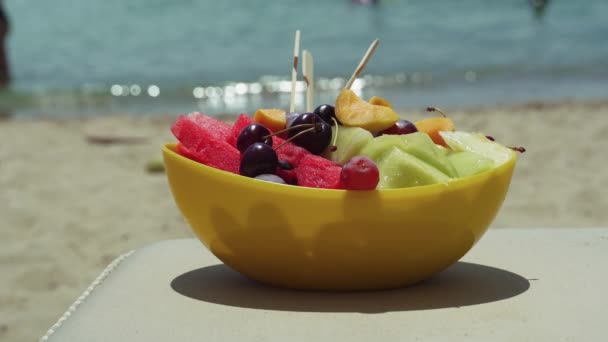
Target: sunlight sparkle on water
x,y
198,92
285,86
135,90
336,83
358,84
470,76
116,90
240,88
255,88
153,90
229,90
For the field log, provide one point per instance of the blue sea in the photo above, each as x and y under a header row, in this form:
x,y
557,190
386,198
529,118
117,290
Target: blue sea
x,y
153,57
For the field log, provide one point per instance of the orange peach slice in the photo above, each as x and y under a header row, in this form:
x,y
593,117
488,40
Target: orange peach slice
x,y
432,127
273,119
376,100
353,111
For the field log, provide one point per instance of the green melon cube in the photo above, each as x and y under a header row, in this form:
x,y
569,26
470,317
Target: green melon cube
x,y
399,169
479,144
469,163
349,142
417,144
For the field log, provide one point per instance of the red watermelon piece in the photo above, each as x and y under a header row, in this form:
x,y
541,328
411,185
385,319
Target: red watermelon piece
x,y
187,132
218,129
289,176
241,122
200,144
317,172
289,152
181,149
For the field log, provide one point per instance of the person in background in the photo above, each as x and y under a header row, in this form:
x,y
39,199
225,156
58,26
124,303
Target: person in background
x,y
4,28
539,7
365,2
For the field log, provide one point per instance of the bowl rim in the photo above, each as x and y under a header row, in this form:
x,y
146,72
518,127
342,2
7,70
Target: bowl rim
x,y
170,150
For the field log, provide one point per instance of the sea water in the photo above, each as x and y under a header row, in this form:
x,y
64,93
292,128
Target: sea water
x,y
149,57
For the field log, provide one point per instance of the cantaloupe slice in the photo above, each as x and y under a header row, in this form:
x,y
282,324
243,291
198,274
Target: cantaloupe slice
x,y
432,127
273,119
353,111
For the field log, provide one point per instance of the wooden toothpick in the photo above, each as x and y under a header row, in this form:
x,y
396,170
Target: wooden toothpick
x,y
308,75
362,64
294,72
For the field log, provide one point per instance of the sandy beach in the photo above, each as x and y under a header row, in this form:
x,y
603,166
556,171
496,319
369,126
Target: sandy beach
x,y
70,206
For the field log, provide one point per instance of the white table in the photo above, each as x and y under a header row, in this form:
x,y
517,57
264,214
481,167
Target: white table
x,y
515,285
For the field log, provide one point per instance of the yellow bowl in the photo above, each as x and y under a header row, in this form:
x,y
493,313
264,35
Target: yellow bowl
x,y
305,238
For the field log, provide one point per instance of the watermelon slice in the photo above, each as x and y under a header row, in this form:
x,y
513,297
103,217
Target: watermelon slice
x,y
289,176
288,152
213,143
241,122
183,150
200,144
218,129
317,172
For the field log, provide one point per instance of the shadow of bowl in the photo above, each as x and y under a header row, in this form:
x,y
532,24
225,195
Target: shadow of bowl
x,y
463,284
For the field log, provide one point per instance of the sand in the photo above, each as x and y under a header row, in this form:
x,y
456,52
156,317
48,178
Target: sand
x,y
70,206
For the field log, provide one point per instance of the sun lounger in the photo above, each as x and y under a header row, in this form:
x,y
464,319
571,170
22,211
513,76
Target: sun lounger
x,y
515,285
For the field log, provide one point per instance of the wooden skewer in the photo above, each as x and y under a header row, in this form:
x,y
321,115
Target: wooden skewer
x,y
308,75
366,58
294,72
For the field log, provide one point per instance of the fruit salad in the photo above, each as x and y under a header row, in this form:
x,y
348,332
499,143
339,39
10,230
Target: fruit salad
x,y
353,145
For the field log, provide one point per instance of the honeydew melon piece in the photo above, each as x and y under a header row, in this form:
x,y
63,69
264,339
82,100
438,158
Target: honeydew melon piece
x,y
416,144
399,169
468,163
479,144
349,142
443,150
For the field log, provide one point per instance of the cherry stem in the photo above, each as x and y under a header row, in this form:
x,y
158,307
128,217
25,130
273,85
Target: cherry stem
x,y
288,129
435,109
312,129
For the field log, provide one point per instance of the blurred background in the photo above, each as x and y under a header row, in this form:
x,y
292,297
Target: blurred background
x,y
90,88
153,57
